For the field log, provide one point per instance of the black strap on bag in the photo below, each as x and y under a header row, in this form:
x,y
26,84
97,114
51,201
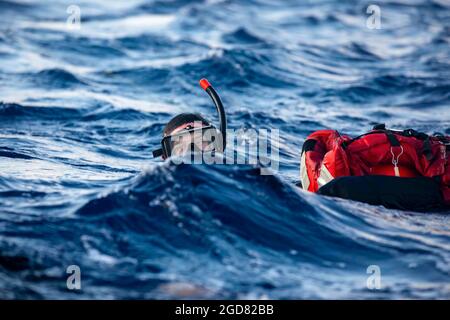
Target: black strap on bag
x,y
426,149
392,139
309,145
389,133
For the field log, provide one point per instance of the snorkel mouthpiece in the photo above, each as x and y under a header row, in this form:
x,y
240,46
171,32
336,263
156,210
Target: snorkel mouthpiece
x,y
204,83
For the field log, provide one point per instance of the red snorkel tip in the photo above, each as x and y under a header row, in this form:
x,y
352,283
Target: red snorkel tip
x,y
204,84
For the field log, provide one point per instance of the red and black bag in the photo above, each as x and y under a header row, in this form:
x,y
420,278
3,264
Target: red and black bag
x,y
327,154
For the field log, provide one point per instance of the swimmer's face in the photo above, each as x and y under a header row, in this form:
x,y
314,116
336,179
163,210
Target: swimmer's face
x,y
197,140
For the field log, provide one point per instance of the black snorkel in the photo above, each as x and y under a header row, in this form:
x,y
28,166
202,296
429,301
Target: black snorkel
x,y
166,149
220,110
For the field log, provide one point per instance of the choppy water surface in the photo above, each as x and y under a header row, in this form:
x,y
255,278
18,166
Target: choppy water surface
x,y
81,111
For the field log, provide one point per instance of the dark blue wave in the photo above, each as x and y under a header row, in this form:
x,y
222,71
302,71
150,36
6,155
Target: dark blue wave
x,y
187,214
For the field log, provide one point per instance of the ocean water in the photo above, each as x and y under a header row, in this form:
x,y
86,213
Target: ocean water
x,y
82,109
